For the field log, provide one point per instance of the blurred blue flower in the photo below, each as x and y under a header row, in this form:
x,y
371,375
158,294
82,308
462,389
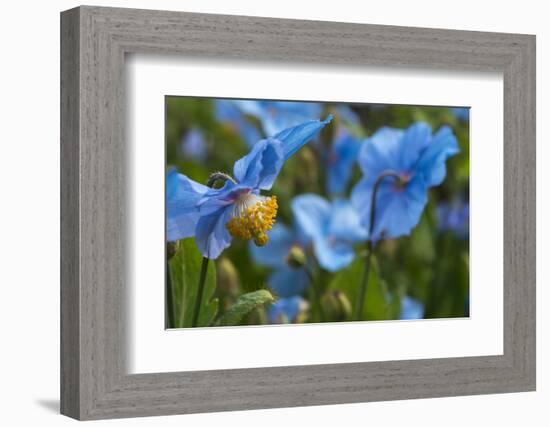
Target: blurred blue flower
x,y
215,215
285,310
333,228
347,115
285,280
419,160
411,309
461,113
228,112
193,145
342,157
455,217
278,115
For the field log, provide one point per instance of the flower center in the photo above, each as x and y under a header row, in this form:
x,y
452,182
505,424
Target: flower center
x,y
253,215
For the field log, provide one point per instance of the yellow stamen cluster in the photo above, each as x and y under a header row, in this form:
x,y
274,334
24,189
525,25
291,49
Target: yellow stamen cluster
x,y
252,222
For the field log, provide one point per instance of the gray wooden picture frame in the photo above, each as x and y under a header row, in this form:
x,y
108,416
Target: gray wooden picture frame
x,y
94,41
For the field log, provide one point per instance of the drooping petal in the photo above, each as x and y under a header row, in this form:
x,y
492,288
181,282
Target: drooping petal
x,y
212,236
295,137
411,309
182,196
431,163
287,281
345,223
398,211
275,252
217,198
344,152
260,167
285,310
312,214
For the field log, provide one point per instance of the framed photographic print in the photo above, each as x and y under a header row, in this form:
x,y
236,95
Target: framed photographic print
x,y
261,213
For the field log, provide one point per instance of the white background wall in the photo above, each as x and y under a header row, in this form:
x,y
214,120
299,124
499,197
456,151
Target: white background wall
x,y
29,212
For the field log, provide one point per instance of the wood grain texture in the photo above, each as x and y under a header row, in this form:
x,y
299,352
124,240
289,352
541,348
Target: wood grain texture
x,y
94,382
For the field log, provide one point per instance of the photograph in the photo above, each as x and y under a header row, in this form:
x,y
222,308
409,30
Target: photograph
x,y
295,212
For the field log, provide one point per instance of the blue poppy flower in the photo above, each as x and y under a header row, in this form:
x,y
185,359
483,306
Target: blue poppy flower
x,y
278,115
227,112
332,227
461,113
285,280
285,310
418,158
193,145
455,217
215,215
411,309
342,157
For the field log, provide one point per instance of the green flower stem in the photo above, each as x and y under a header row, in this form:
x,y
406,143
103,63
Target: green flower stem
x,y
212,179
370,246
316,294
169,298
198,300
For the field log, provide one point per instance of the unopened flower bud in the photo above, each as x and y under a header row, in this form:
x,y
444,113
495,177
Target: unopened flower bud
x,y
171,249
296,257
228,278
336,306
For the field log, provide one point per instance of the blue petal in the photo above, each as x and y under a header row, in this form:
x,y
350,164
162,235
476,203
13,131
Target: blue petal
x,y
398,211
295,137
193,145
284,310
278,115
288,281
212,236
415,139
260,167
275,252
432,161
228,111
333,254
217,198
345,223
461,113
312,214
182,196
347,115
345,150
380,152
411,309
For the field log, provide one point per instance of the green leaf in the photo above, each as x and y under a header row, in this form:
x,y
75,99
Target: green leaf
x,y
244,305
349,281
185,271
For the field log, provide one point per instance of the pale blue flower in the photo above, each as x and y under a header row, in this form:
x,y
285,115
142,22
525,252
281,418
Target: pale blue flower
x,y
411,309
461,113
215,215
228,112
341,159
278,115
418,158
285,280
333,228
193,145
285,310
455,217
